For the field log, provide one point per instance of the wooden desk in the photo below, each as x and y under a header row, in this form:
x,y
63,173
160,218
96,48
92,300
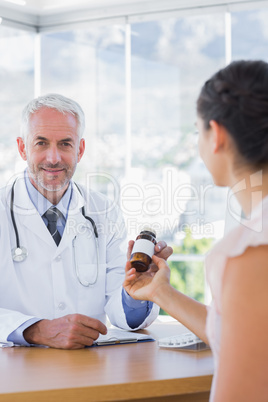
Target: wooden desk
x,y
133,372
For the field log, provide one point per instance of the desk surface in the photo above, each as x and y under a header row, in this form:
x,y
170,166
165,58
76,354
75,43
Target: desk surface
x,y
107,373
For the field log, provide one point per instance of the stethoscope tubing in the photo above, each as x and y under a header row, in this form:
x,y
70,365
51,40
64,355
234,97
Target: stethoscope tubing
x,y
19,253
13,217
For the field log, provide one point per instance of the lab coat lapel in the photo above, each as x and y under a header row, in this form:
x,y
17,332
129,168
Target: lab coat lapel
x,y
26,213
75,220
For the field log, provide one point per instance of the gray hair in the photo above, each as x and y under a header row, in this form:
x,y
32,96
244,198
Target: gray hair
x,y
53,101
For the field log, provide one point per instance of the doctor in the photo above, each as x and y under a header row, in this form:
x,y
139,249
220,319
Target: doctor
x,y
62,246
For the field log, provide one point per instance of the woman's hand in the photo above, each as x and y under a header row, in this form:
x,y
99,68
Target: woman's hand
x,y
147,285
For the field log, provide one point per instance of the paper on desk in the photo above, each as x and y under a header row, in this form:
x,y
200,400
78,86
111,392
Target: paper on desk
x,y
6,344
113,337
116,336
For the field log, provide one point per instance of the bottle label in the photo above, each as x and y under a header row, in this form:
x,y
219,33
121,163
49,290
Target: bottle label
x,y
143,246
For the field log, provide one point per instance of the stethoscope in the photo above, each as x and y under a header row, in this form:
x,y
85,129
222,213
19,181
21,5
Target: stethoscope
x,y
96,237
20,253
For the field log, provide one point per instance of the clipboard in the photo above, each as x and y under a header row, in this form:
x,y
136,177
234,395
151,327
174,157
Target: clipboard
x,y
116,336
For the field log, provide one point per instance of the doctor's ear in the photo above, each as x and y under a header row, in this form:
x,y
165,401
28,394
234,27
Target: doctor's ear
x,y
22,148
81,149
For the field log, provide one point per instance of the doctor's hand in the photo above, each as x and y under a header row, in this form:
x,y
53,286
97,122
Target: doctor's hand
x,y
73,331
161,250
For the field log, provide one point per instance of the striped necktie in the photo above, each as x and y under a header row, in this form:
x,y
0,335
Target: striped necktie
x,y
52,216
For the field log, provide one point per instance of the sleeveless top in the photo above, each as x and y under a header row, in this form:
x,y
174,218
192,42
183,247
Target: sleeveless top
x,y
249,233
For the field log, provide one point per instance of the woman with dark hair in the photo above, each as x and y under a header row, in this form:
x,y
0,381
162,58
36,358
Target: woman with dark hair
x,y
232,119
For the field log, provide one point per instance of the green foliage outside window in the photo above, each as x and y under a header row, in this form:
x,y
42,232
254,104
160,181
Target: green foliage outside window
x,y
188,276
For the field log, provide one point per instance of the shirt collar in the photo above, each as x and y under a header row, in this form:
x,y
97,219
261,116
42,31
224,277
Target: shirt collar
x,y
42,204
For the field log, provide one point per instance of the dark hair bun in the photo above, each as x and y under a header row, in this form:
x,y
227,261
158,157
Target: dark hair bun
x,y
237,98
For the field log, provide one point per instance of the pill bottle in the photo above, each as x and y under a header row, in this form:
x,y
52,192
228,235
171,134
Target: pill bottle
x,y
143,250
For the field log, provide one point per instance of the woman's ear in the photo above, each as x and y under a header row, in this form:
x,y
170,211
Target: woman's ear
x,y
219,136
22,148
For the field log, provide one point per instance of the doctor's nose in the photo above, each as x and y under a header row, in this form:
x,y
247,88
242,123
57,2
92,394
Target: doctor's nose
x,y
53,155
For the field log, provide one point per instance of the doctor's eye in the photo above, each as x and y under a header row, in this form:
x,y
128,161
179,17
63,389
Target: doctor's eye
x,y
40,143
66,144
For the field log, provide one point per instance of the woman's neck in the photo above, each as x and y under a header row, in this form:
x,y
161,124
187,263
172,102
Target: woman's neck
x,y
250,188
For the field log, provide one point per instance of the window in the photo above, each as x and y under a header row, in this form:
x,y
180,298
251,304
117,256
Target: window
x,y
250,34
17,88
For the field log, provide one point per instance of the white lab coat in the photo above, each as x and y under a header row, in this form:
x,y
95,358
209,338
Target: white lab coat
x,y
45,285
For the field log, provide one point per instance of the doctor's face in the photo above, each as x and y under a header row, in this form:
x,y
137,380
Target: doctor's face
x,y
52,150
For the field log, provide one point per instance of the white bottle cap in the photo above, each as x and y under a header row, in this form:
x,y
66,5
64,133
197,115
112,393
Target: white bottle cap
x,y
148,229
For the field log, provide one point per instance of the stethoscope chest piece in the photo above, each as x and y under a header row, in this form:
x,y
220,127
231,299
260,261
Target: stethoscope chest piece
x,y
19,254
